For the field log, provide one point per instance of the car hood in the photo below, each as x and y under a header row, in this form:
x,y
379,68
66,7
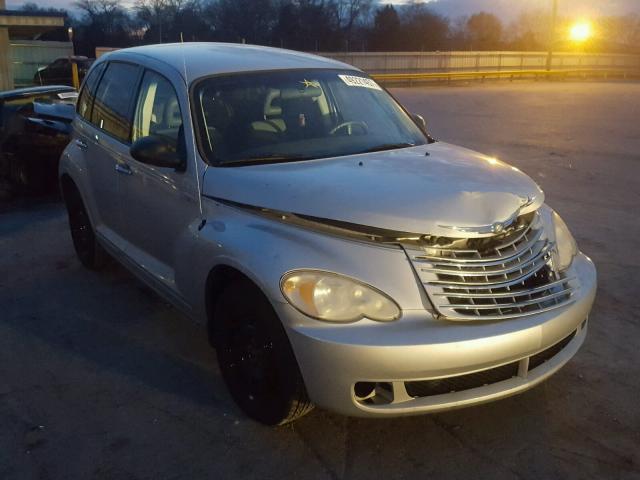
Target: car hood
x,y
63,111
436,189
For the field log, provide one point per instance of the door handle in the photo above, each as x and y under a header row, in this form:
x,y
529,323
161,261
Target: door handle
x,y
124,168
81,145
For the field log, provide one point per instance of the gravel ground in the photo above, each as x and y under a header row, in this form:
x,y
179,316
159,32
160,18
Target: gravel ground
x,y
99,378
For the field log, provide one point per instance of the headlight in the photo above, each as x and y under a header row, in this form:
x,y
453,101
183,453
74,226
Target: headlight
x,y
334,298
565,243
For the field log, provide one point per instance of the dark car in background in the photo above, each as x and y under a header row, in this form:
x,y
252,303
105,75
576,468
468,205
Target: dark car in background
x,y
59,72
35,124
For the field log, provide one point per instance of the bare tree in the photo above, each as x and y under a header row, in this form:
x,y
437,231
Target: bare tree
x,y
102,23
349,13
154,13
530,31
386,33
484,31
621,32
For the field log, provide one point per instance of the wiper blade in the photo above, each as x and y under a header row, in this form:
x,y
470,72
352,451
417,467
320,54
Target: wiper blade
x,y
388,146
262,159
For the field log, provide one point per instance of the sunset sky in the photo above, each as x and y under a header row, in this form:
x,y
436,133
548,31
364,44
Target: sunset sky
x,y
507,9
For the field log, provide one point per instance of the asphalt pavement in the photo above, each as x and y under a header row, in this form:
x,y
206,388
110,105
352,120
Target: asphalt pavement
x,y
100,378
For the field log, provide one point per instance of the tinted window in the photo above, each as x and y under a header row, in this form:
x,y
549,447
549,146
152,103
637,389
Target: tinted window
x,y
88,93
61,62
111,109
157,110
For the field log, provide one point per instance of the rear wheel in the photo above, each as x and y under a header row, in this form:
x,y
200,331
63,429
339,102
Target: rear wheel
x,y
89,251
256,358
28,176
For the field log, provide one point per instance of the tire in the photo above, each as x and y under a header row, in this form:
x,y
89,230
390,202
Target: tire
x,y
89,251
256,358
26,176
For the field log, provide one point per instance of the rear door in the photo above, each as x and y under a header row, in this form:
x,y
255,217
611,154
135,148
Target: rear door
x,y
82,145
105,139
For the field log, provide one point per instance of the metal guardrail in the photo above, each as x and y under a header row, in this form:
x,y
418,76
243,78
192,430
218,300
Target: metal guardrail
x,y
511,74
481,61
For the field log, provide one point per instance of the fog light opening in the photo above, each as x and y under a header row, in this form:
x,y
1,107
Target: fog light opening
x,y
364,390
373,393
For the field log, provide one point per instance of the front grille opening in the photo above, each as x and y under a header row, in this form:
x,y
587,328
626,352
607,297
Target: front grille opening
x,y
540,358
441,386
491,278
382,393
460,383
529,295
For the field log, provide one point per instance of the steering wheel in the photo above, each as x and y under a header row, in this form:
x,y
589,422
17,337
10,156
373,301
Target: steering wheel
x,y
349,126
277,127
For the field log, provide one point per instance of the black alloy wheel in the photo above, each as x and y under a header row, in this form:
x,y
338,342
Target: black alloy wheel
x,y
89,251
256,358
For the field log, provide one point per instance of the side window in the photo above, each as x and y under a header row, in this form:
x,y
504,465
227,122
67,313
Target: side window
x,y
111,108
158,111
88,93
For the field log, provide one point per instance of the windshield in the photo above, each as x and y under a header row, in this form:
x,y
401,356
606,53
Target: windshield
x,y
297,115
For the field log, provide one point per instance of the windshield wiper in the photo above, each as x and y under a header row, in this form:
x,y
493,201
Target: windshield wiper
x,y
263,159
388,146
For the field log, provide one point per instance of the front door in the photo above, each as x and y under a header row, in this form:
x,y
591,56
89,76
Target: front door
x,y
159,203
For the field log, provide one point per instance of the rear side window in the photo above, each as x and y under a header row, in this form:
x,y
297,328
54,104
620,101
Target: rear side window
x,y
112,107
88,93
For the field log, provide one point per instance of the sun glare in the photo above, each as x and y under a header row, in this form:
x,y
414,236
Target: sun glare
x,y
580,31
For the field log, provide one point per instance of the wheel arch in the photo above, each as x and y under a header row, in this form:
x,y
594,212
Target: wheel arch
x,y
67,186
73,180
219,278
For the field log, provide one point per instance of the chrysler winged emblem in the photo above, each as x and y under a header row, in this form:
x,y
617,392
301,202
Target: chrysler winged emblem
x,y
496,227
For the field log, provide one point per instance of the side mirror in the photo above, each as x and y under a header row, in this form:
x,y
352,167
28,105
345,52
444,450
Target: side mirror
x,y
420,121
156,150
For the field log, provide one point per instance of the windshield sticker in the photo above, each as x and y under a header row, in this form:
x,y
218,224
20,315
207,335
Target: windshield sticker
x,y
310,83
363,82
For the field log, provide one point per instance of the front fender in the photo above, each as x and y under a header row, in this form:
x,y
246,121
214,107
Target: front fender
x,y
264,250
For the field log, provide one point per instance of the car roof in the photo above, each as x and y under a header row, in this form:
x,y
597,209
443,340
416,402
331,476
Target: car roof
x,y
73,58
26,92
200,59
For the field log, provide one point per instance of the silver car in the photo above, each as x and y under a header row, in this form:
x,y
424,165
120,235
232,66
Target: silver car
x,y
336,252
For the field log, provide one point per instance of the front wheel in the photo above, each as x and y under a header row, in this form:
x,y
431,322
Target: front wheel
x,y
256,358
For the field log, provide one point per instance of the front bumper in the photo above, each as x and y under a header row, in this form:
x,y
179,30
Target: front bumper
x,y
334,358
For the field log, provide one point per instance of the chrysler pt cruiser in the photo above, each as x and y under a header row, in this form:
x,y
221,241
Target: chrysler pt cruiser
x,y
338,255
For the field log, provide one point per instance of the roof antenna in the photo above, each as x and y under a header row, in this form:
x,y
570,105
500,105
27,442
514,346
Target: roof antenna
x,y
193,140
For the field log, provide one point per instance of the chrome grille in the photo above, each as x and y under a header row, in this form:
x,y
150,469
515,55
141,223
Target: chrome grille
x,y
503,276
